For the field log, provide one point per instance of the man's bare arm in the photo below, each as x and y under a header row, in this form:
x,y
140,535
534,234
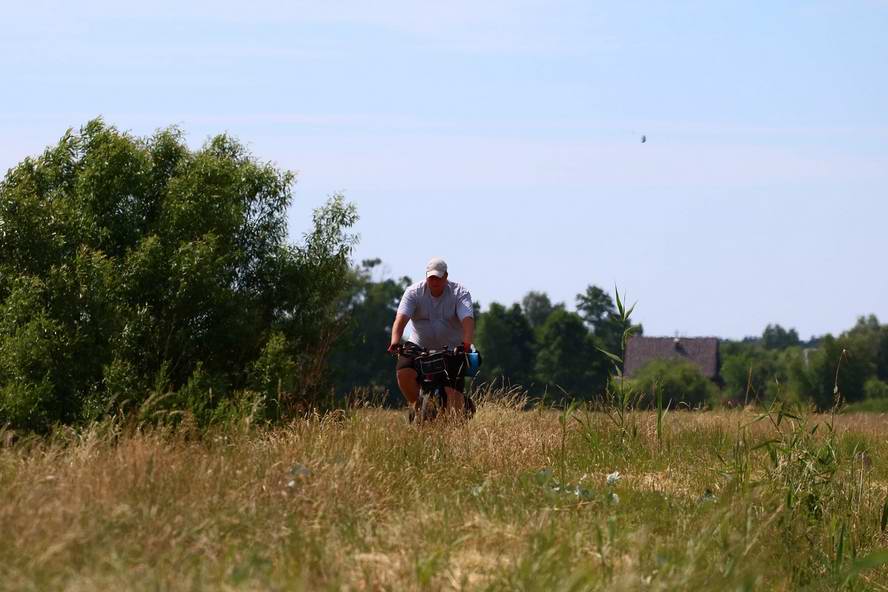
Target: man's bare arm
x,y
398,330
468,326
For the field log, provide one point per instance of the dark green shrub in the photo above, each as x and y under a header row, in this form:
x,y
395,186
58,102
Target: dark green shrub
x,y
836,370
678,382
874,388
748,373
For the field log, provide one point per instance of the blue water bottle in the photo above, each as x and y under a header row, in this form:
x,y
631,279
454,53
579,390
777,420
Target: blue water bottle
x,y
474,359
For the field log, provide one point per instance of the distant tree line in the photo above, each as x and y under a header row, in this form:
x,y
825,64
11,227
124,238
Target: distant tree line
x,y
548,350
850,368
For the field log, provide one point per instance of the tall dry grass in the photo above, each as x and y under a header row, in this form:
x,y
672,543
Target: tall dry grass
x,y
514,499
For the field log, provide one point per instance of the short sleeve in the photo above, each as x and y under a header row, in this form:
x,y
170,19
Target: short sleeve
x,y
464,308
408,303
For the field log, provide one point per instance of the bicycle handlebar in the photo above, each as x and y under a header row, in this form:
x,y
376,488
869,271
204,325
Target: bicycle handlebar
x,y
420,351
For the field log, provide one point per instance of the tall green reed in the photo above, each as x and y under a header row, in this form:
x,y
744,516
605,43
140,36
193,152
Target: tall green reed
x,y
619,395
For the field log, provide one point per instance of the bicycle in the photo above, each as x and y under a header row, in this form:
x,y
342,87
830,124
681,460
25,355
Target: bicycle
x,y
436,370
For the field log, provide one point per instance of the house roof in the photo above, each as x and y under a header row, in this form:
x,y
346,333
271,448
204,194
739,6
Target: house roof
x,y
702,351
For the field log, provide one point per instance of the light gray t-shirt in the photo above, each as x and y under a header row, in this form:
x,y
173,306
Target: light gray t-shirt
x,y
437,322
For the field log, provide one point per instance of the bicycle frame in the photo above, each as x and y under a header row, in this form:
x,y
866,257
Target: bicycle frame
x,y
433,376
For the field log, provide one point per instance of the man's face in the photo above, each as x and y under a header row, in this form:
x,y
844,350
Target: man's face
x,y
436,283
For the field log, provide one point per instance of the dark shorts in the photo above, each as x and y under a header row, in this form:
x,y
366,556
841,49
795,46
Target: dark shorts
x,y
455,367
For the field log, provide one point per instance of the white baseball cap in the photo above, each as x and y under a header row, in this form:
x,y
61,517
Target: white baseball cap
x,y
436,267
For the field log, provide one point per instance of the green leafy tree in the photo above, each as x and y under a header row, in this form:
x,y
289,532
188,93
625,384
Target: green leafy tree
x,y
874,388
127,261
679,383
748,371
595,306
567,358
360,358
506,340
835,368
882,355
842,365
869,339
537,307
33,356
776,337
598,311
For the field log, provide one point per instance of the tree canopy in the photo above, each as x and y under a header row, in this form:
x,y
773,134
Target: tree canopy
x,y
359,357
506,340
129,265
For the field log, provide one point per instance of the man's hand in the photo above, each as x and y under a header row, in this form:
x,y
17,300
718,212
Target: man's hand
x,y
398,332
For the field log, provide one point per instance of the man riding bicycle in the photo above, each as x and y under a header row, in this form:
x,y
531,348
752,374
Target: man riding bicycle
x,y
442,317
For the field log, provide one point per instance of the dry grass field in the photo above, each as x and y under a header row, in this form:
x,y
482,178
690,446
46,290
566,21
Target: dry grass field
x,y
513,500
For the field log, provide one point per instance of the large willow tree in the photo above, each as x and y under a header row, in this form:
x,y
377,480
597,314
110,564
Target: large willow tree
x,y
135,267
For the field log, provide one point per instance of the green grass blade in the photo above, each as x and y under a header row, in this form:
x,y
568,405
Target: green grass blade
x,y
884,523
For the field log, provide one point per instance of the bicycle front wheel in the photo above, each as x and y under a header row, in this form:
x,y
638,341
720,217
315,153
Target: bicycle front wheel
x,y
430,406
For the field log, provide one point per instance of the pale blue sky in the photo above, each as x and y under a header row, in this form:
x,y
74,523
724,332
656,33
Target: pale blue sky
x,y
504,136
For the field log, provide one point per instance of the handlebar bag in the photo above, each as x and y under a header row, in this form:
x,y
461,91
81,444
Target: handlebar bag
x,y
431,365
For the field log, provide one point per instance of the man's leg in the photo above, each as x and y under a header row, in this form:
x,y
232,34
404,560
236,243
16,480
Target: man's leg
x,y
455,401
407,378
408,385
